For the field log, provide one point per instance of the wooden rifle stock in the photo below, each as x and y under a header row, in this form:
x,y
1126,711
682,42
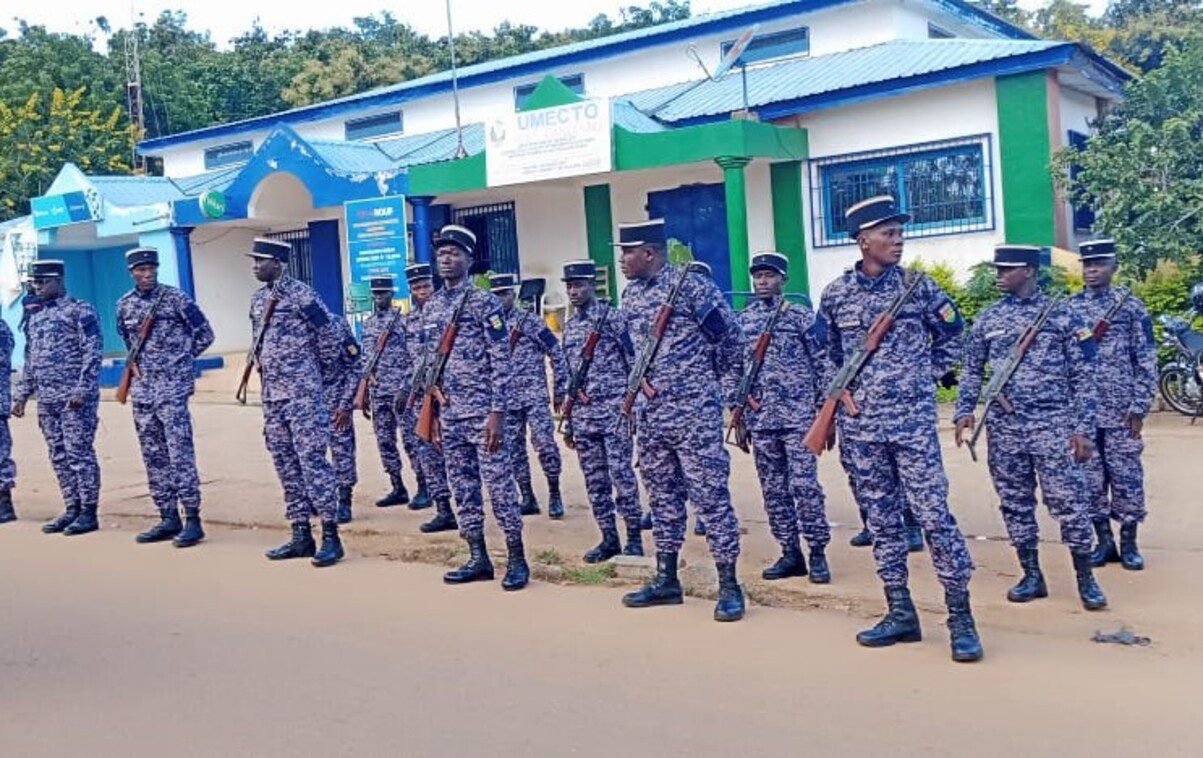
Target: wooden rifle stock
x,y
820,429
1104,324
131,363
361,401
252,356
427,426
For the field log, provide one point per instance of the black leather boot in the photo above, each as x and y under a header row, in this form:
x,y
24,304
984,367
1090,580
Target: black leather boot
x,y
634,544
63,521
820,572
85,522
962,632
444,519
331,551
607,548
192,532
663,589
1104,550
422,499
555,502
730,605
7,512
517,572
698,527
1129,554
914,539
169,526
791,563
530,504
344,504
863,538
300,546
478,568
397,495
1031,585
900,624
1089,590
645,522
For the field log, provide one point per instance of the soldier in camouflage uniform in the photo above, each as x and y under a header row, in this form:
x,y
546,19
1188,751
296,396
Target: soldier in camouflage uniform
x,y
62,368
8,468
302,347
339,392
890,441
681,450
159,391
476,385
1126,368
391,377
592,430
530,342
788,388
1042,432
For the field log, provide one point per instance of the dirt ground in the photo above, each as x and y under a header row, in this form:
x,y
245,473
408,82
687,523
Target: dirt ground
x,y
112,647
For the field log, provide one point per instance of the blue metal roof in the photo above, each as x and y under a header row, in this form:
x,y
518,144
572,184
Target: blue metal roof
x,y
352,157
543,61
133,191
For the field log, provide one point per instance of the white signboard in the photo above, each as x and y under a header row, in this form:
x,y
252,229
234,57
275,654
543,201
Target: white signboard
x,y
549,143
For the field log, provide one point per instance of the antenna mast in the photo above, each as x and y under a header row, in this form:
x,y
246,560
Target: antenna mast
x,y
460,152
133,92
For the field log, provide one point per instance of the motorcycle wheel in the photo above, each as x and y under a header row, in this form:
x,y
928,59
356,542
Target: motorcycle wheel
x,y
1180,389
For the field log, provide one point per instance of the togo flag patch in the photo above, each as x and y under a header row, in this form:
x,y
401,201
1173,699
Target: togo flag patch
x,y
947,313
1086,341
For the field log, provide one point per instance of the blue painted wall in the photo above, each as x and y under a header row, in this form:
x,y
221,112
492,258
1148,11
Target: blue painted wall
x,y
696,215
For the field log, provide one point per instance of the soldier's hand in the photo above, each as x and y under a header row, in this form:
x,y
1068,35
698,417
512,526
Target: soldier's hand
x,y
965,424
1136,425
493,432
1081,448
342,419
558,404
18,409
75,403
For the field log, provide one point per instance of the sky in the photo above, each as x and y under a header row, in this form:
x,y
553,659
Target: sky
x,y
229,18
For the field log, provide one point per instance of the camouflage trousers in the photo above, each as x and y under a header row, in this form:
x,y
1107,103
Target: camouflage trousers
x,y
165,435
388,426
789,482
908,512
8,467
469,465
297,433
543,438
886,477
342,453
70,437
1115,478
605,458
1017,462
689,462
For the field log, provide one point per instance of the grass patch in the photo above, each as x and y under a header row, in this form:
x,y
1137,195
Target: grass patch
x,y
597,574
550,557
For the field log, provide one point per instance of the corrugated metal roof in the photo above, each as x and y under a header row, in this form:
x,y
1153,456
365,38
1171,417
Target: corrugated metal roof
x,y
806,77
197,184
352,157
432,147
632,119
132,191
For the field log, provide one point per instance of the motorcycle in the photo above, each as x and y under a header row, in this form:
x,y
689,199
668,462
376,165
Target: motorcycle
x,y
1181,378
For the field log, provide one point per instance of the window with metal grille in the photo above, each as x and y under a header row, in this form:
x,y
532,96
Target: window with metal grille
x,y
781,44
574,82
496,230
300,263
1083,215
946,186
372,126
226,155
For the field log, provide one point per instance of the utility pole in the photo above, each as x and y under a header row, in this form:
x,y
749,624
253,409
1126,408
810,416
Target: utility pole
x,y
460,152
133,93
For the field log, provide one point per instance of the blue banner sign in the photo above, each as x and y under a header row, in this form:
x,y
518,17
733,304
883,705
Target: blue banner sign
x,y
50,211
376,240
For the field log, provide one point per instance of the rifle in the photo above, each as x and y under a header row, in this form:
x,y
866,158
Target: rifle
x,y
361,392
576,387
1104,324
427,426
816,437
252,355
135,352
651,345
1002,375
748,382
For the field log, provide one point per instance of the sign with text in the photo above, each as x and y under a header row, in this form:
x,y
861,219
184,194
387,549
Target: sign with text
x,y
50,211
376,240
550,143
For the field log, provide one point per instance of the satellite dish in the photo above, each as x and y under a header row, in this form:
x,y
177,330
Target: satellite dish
x,y
733,54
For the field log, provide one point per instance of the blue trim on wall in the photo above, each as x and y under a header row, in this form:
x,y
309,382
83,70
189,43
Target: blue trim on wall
x,y
182,237
325,259
423,228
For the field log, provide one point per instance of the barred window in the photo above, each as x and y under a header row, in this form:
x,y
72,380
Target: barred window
x,y
227,155
379,125
945,186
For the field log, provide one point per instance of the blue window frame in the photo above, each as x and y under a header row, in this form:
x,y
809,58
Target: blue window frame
x,y
773,45
947,187
1083,215
227,155
372,126
574,82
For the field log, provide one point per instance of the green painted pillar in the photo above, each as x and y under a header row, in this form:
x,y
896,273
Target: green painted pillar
x,y
1028,197
736,191
789,229
599,232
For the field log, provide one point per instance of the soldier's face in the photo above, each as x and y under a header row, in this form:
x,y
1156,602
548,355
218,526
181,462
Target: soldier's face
x,y
146,276
383,299
47,286
421,290
266,269
453,262
506,297
882,244
580,292
767,282
1098,272
639,262
1012,279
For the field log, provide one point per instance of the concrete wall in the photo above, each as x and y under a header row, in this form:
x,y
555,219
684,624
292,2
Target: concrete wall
x,y
224,282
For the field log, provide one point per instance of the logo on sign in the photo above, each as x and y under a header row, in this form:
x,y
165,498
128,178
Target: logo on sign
x,y
212,204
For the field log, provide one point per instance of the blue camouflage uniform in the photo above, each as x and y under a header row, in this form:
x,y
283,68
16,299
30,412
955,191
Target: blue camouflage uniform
x,y
421,340
891,446
476,383
300,349
1126,378
341,381
391,378
528,404
604,451
790,386
680,428
63,363
179,334
1053,396
8,467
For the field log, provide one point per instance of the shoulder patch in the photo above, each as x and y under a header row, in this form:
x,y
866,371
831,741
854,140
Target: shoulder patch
x,y
194,315
90,324
818,331
947,313
315,314
548,338
351,347
495,324
1086,342
1146,326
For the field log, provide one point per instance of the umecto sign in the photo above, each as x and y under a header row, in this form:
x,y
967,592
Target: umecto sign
x,y
550,143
